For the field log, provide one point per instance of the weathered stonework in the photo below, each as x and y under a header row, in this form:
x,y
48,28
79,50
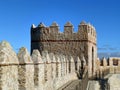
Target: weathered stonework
x,y
114,82
25,70
107,66
35,72
56,58
80,44
8,68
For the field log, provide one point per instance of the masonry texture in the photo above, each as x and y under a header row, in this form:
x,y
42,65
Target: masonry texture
x,y
81,44
57,59
24,72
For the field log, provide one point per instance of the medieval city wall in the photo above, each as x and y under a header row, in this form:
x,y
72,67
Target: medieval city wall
x,y
107,66
24,72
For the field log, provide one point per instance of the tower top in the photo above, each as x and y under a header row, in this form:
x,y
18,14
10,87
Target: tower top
x,y
83,23
54,24
68,24
33,26
41,25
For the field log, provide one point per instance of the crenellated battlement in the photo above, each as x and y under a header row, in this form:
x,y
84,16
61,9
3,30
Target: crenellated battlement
x,y
107,66
111,61
85,31
56,58
23,71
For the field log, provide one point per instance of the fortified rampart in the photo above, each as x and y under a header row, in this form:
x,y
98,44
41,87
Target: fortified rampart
x,y
108,66
24,72
55,59
80,44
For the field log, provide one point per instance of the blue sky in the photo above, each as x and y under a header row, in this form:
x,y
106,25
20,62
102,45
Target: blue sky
x,y
16,17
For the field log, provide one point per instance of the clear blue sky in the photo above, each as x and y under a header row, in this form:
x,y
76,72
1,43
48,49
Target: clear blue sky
x,y
16,17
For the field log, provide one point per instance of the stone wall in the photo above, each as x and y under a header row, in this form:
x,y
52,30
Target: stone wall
x,y
113,82
80,44
68,43
24,72
107,66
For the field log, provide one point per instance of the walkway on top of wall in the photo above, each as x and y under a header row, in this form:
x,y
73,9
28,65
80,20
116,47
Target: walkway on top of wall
x,y
93,85
107,76
71,85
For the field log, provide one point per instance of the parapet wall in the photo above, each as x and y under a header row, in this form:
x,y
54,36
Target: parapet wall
x,y
35,72
107,66
111,61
